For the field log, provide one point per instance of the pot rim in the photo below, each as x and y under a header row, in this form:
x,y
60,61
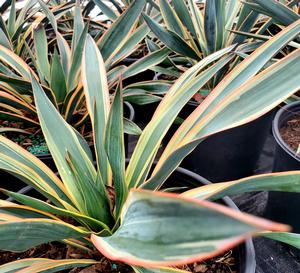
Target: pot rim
x,y
275,128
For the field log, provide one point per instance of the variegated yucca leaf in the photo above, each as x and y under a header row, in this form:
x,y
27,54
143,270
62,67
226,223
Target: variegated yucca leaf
x,y
292,239
97,97
72,157
278,11
40,265
157,223
286,181
22,234
115,37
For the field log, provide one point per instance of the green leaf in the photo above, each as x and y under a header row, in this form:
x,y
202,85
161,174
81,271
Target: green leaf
x,y
26,166
114,145
36,265
49,14
285,181
183,13
41,53
4,40
171,39
171,19
74,74
23,234
210,24
97,99
146,62
292,239
109,12
131,128
20,264
72,160
65,53
48,208
154,226
117,34
278,11
9,57
78,26
12,19
58,79
133,41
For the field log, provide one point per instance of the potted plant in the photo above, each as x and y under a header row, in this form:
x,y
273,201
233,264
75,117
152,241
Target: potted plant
x,y
55,60
286,135
200,31
119,209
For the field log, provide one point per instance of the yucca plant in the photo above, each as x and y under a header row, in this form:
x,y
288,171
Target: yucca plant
x,y
193,31
119,209
275,16
56,63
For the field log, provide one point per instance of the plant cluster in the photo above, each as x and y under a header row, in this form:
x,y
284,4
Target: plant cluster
x,y
64,73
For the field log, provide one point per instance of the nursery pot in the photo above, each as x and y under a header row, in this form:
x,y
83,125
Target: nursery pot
x,y
229,155
284,206
12,183
244,254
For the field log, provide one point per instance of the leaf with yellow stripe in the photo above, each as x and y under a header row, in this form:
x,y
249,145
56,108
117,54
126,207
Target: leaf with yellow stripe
x,y
153,230
26,233
117,34
178,95
44,265
97,98
285,181
70,154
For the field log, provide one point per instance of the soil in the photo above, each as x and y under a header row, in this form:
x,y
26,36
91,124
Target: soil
x,y
221,264
56,250
33,142
291,132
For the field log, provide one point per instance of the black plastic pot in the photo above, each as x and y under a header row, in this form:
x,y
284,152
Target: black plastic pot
x,y
245,253
284,206
285,158
12,183
229,155
144,113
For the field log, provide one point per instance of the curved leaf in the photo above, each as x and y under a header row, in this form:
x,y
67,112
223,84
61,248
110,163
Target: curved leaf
x,y
36,265
70,156
24,234
117,34
171,39
285,181
154,226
